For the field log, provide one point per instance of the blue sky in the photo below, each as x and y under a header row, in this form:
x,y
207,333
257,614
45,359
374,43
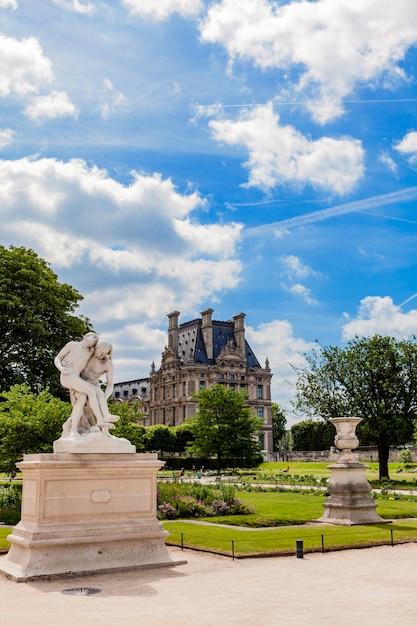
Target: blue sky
x,y
245,155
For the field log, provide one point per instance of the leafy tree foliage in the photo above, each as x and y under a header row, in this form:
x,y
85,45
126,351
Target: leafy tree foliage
x,y
127,426
374,378
279,421
309,435
183,437
224,426
36,320
160,437
29,423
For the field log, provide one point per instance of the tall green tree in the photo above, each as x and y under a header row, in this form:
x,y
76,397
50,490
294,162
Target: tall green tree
x,y
127,426
224,426
29,423
374,378
309,435
36,319
160,437
279,421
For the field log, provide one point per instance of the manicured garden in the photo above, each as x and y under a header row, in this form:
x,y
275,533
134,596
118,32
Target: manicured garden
x,y
262,511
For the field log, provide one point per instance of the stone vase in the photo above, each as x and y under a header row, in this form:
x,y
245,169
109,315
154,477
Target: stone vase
x,y
349,502
346,439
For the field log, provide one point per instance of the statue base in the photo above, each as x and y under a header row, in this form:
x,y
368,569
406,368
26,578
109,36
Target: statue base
x,y
93,442
349,502
84,514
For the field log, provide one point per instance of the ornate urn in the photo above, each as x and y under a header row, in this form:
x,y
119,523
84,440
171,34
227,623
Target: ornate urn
x,y
346,439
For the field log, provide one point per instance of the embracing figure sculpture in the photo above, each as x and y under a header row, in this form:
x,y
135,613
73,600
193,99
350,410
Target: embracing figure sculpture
x,y
81,364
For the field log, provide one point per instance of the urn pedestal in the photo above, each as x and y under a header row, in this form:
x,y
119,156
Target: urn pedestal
x,y
86,513
349,502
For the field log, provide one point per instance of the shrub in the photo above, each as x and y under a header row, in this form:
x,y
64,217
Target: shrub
x,y
185,500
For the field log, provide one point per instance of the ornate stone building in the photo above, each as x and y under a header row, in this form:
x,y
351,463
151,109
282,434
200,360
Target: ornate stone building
x,y
203,353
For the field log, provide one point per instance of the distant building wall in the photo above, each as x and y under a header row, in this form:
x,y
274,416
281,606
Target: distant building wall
x,y
202,353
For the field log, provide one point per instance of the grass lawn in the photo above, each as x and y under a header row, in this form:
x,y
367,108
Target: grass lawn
x,y
3,534
282,540
287,512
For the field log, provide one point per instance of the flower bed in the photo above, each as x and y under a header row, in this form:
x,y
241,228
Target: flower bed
x,y
191,500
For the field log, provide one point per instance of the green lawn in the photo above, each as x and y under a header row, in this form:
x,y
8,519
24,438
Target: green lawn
x,y
3,534
228,540
294,509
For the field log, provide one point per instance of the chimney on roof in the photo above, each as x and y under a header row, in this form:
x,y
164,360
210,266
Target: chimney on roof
x,y
173,331
239,331
207,330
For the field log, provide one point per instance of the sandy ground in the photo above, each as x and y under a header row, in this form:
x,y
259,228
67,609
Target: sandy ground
x,y
370,586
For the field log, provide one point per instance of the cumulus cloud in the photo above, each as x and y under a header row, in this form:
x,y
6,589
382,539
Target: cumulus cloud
x,y
275,340
24,66
280,154
379,315
131,245
53,105
77,6
331,46
408,147
163,9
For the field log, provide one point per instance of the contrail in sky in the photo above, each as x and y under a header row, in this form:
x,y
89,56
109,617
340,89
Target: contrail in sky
x,y
408,300
277,103
404,195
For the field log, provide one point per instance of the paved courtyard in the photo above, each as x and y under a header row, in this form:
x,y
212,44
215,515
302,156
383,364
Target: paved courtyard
x,y
371,586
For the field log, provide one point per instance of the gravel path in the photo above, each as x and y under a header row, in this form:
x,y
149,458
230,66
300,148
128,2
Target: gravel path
x,y
366,587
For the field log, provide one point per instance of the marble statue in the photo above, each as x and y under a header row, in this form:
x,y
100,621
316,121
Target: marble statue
x,y
82,364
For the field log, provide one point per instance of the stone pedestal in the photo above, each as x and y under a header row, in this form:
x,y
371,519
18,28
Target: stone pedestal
x,y
349,502
86,513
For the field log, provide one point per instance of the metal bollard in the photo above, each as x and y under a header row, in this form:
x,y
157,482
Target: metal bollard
x,y
299,548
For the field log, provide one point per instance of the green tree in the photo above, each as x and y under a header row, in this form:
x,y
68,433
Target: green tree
x,y
29,423
279,421
127,427
374,378
160,437
36,320
309,435
224,426
183,437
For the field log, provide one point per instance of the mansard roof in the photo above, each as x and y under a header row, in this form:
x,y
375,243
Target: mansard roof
x,y
192,349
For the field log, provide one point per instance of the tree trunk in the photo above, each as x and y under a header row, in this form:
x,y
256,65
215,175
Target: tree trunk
x,y
219,464
383,456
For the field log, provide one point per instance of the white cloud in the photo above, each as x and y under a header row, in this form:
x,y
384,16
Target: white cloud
x,y
294,268
379,315
55,104
389,162
8,3
6,137
163,9
408,143
408,147
118,100
280,154
23,66
275,341
302,292
127,243
332,45
212,239
77,6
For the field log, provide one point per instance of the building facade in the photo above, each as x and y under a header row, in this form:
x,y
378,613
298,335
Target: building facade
x,y
200,354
